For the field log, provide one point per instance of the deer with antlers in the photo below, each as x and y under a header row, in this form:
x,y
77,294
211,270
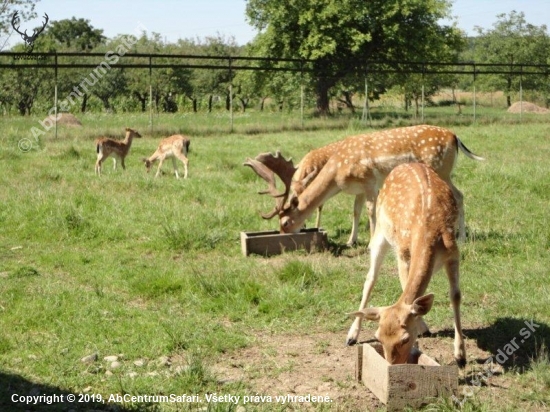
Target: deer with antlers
x,y
417,215
358,166
175,147
119,149
308,168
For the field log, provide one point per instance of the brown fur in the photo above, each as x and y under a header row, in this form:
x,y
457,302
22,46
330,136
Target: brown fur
x,y
119,149
417,216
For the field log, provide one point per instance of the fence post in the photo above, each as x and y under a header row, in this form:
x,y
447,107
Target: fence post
x,y
55,96
231,94
475,100
521,94
301,94
366,108
150,95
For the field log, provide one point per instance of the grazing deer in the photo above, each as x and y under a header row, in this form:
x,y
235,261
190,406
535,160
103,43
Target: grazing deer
x,y
308,168
358,166
417,215
176,146
106,147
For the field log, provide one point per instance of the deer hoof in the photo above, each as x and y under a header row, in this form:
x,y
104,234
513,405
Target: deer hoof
x,y
461,362
351,341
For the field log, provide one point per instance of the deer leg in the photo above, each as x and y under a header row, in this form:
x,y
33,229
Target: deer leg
x,y
459,197
357,209
175,165
318,221
451,267
372,194
185,162
159,167
98,164
114,162
122,163
378,248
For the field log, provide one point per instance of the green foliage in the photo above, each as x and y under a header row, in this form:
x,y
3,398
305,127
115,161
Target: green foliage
x,y
512,40
339,34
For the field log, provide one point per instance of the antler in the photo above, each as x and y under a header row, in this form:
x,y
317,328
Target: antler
x,y
34,35
14,21
266,166
28,39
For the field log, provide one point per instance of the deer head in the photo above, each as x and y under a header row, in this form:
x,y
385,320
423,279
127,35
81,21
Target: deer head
x,y
399,326
29,40
266,165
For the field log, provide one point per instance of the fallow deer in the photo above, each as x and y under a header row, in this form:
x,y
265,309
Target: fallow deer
x,y
106,147
416,215
358,166
176,146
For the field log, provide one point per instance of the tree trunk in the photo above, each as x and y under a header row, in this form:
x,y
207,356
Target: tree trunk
x,y
194,103
106,103
322,88
244,103
84,103
210,101
142,100
509,88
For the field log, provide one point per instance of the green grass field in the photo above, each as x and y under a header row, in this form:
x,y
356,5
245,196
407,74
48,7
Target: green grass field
x,y
151,269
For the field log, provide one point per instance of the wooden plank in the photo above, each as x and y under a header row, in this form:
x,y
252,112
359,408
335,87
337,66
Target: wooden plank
x,y
418,385
412,384
269,243
375,371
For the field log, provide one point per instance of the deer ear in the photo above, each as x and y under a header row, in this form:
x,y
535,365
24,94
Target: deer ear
x,y
422,305
369,313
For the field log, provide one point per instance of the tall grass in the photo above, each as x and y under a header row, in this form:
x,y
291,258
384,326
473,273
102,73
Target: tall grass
x,y
151,269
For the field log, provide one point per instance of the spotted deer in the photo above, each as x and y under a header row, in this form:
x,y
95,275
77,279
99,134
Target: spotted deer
x,y
358,166
175,147
308,168
417,214
106,147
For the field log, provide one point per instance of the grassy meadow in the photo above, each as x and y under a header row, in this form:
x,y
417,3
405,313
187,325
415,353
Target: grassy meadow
x,y
151,271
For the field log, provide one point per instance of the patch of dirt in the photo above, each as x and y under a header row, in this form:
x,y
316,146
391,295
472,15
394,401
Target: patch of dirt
x,y
317,364
66,119
527,107
321,364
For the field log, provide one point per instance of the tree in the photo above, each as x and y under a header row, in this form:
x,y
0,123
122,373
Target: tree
x,y
341,35
215,82
76,34
72,35
513,41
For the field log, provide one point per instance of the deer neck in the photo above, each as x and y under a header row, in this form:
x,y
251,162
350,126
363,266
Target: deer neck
x,y
128,139
420,272
318,192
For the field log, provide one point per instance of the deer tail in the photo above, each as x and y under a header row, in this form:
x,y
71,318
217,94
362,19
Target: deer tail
x,y
467,151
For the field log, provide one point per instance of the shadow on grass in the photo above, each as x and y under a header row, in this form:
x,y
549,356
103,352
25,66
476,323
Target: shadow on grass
x,y
14,387
512,343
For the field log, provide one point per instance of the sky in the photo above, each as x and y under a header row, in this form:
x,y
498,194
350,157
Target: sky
x,y
192,19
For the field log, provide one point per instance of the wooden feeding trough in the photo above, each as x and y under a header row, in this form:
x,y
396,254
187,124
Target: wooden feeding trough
x,y
273,243
413,384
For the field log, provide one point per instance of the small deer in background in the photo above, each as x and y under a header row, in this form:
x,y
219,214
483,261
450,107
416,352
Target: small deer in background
x,y
176,146
417,215
106,147
358,166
